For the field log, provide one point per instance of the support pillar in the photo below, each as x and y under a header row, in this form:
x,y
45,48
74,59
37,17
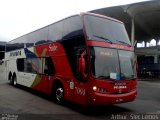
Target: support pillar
x,y
157,42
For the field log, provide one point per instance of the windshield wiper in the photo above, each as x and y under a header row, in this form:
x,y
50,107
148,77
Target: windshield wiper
x,y
106,39
103,77
127,77
123,43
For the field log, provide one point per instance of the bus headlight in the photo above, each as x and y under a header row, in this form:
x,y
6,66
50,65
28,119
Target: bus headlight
x,y
100,90
94,88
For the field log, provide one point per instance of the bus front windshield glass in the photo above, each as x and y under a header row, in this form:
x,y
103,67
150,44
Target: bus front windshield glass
x,y
103,29
113,64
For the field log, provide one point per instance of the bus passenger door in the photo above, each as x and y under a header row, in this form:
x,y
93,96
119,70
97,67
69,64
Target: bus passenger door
x,y
80,84
27,78
27,74
21,74
48,71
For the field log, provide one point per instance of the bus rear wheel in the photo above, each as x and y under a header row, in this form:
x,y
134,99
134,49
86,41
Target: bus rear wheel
x,y
14,81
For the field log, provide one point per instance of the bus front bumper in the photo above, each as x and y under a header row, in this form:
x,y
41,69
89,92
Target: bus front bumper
x,y
98,99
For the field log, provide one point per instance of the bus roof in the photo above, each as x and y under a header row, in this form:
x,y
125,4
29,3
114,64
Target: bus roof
x,y
42,27
81,14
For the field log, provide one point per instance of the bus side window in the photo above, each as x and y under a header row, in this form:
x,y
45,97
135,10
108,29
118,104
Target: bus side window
x,y
49,67
20,65
28,65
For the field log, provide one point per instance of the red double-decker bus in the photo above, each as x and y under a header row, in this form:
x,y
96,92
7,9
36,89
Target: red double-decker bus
x,y
87,59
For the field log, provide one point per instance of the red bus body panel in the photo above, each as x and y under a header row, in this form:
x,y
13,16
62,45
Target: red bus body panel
x,y
83,92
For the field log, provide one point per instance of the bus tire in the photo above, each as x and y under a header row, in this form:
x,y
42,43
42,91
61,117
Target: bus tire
x,y
14,80
58,92
10,78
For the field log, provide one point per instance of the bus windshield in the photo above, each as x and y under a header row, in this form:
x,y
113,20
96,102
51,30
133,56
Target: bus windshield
x,y
114,64
103,29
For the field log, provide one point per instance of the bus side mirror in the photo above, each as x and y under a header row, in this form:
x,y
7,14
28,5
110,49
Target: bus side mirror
x,y
82,65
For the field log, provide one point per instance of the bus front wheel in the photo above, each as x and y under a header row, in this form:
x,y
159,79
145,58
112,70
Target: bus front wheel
x,y
58,93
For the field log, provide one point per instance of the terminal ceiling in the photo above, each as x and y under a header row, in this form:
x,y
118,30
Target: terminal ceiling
x,y
146,16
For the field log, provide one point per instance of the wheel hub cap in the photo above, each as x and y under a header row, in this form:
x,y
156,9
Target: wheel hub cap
x,y
59,94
